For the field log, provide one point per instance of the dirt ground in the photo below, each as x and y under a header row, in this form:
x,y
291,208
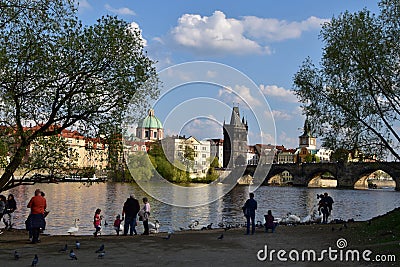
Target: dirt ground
x,y
188,248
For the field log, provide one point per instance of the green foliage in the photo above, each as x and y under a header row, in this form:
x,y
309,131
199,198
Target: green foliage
x,y
352,98
49,154
212,174
140,167
171,172
55,71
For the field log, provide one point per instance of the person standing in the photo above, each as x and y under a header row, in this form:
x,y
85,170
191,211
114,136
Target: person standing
x,y
37,204
97,221
145,215
325,206
11,206
249,210
3,204
129,214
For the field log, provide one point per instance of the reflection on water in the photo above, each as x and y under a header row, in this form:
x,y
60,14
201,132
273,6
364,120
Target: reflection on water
x,y
67,201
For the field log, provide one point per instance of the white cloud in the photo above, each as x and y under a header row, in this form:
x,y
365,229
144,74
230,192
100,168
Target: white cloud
x,y
135,26
211,74
270,30
280,92
248,35
281,115
240,94
120,11
214,34
203,128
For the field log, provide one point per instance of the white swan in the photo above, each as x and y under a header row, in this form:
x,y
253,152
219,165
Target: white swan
x,y
75,228
153,227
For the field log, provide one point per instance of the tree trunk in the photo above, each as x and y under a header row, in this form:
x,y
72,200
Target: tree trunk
x,y
12,166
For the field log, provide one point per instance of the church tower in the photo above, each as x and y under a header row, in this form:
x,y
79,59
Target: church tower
x,y
306,140
235,140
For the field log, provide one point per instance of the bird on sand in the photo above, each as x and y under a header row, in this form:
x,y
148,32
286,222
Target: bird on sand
x,y
221,236
167,237
72,255
16,255
101,249
35,260
77,244
64,249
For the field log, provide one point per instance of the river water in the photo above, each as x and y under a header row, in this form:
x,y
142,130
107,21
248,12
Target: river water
x,y
67,201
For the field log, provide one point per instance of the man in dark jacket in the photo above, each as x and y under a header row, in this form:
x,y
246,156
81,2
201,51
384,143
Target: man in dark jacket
x,y
250,212
130,211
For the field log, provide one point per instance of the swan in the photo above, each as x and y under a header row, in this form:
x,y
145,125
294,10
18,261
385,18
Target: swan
x,y
153,227
75,228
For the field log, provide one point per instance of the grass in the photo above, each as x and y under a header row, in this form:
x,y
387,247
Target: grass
x,y
381,234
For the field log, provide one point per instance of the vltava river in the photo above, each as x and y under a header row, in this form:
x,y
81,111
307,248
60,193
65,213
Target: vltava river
x,y
67,201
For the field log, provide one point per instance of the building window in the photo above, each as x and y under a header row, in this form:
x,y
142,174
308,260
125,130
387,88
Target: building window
x,y
195,147
203,156
146,134
155,134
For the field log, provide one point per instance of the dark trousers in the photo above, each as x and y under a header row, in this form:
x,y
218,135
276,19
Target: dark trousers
x,y
146,227
130,222
35,235
253,224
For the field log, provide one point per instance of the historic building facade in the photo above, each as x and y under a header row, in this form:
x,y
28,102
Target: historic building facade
x,y
235,140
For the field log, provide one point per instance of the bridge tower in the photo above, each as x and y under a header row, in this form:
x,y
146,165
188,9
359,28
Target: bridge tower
x,y
307,140
235,140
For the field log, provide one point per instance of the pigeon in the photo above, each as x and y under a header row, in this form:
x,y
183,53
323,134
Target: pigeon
x,y
35,260
72,255
101,249
221,236
77,244
16,255
101,255
209,227
167,237
64,249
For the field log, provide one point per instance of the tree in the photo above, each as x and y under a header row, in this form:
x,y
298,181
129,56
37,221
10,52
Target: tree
x,y
353,97
188,157
56,72
140,166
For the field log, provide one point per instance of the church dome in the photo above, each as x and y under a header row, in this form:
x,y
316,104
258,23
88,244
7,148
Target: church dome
x,y
150,121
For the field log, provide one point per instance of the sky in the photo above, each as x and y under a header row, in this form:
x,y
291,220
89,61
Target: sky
x,y
212,55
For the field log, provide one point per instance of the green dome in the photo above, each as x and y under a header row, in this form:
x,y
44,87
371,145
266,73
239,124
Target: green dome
x,y
150,121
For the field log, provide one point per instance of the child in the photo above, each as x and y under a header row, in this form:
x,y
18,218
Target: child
x,y
97,221
117,224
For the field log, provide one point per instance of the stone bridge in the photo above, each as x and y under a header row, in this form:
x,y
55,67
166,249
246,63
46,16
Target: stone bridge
x,y
346,174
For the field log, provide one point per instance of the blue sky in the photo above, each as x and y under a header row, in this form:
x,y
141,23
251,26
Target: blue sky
x,y
264,40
